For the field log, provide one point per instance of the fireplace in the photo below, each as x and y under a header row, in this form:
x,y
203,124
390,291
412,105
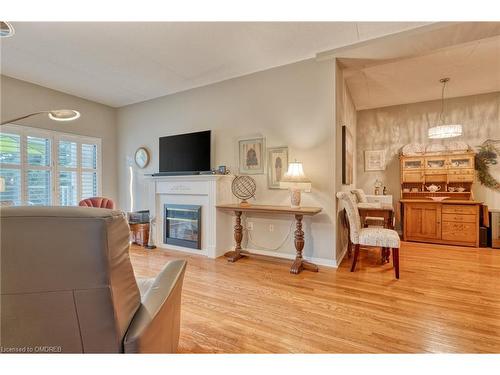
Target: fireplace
x,y
182,225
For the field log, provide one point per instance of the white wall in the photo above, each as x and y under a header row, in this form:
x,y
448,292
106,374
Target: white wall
x,y
390,128
292,106
97,120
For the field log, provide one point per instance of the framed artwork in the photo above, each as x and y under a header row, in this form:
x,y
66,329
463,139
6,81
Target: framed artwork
x,y
252,156
277,165
347,156
374,160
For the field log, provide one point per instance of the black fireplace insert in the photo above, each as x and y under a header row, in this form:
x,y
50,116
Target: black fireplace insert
x,y
182,225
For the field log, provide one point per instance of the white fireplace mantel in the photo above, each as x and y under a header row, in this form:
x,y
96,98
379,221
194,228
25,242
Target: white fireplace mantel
x,y
204,190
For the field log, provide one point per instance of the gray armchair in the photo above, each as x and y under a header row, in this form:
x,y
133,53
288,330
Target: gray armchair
x,y
67,285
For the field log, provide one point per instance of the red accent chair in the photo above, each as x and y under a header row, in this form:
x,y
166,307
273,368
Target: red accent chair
x,y
97,202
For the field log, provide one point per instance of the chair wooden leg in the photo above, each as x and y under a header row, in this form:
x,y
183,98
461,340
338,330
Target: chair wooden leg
x,y
395,261
355,259
349,248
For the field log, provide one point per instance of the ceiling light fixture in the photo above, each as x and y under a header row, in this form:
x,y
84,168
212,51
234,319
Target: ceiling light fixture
x,y
444,130
56,115
6,29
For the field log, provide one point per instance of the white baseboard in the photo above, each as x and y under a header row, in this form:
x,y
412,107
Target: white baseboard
x,y
318,261
341,257
276,254
182,249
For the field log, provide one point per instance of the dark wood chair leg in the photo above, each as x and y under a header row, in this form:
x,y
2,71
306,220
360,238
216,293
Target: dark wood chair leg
x,y
395,261
355,259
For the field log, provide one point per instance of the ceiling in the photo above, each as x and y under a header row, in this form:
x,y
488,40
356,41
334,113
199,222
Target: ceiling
x,y
474,68
117,63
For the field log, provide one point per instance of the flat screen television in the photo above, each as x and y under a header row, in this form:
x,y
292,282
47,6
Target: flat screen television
x,y
185,153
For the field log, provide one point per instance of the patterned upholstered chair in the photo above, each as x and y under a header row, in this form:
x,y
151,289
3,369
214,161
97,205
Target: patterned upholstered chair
x,y
360,195
387,239
98,202
370,220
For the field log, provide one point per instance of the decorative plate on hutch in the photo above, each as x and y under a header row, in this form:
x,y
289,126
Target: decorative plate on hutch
x,y
435,147
457,146
413,149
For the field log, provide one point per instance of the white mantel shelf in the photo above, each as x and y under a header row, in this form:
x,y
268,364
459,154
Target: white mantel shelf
x,y
189,176
206,191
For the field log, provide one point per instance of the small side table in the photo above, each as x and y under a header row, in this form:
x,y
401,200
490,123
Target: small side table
x,y
139,233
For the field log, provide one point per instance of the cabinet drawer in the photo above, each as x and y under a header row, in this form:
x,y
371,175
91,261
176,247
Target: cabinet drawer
x,y
461,218
461,178
413,176
435,171
462,232
459,209
461,171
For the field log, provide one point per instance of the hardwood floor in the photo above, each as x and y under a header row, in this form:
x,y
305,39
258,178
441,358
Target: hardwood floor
x,y
447,300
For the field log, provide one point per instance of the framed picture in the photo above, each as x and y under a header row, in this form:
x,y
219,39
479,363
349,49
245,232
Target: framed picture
x,y
347,156
374,160
252,156
277,165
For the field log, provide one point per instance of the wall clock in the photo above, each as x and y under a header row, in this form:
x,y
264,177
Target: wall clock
x,y
142,157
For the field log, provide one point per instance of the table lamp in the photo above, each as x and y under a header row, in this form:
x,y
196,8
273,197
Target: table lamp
x,y
296,181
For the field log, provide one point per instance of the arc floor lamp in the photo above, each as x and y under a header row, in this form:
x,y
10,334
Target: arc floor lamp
x,y
56,115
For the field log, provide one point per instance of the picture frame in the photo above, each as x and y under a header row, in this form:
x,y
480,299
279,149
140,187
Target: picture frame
x,y
277,165
347,156
252,156
142,157
374,160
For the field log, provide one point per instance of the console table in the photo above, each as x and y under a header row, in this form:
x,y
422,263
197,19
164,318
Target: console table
x,y
299,263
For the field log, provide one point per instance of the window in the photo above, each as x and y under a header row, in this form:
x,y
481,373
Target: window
x,y
42,167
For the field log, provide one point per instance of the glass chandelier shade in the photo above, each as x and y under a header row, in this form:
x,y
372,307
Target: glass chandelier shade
x,y
444,130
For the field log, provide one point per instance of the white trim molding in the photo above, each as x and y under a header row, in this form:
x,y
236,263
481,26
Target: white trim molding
x,y
275,254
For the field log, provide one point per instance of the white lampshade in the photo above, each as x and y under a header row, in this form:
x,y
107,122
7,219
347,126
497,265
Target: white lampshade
x,y
64,115
295,177
445,131
2,184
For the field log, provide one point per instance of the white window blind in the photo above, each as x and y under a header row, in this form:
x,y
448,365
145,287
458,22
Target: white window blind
x,y
41,167
10,167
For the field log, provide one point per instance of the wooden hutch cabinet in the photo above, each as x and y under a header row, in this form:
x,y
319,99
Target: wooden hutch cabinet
x,y
426,218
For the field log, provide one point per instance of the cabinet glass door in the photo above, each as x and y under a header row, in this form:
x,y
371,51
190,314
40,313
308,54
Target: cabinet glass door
x,y
416,163
435,163
464,161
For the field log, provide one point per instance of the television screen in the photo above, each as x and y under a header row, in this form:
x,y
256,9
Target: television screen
x,y
185,152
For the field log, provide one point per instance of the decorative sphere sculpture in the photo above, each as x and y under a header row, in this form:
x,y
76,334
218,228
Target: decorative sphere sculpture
x,y
244,187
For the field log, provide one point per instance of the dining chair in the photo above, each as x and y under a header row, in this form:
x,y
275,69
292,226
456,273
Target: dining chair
x,y
386,239
362,198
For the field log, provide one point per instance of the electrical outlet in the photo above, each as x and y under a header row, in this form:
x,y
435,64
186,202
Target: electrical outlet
x,y
271,228
250,225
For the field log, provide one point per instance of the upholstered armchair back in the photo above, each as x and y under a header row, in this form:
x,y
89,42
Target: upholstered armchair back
x,y
348,202
66,279
98,202
360,195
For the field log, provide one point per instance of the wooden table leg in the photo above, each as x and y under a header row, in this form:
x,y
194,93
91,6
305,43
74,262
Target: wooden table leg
x,y
299,263
389,223
233,256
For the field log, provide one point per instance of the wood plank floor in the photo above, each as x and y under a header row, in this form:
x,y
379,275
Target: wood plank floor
x,y
447,300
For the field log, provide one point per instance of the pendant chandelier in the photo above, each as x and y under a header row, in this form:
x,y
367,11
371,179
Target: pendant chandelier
x,y
444,130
